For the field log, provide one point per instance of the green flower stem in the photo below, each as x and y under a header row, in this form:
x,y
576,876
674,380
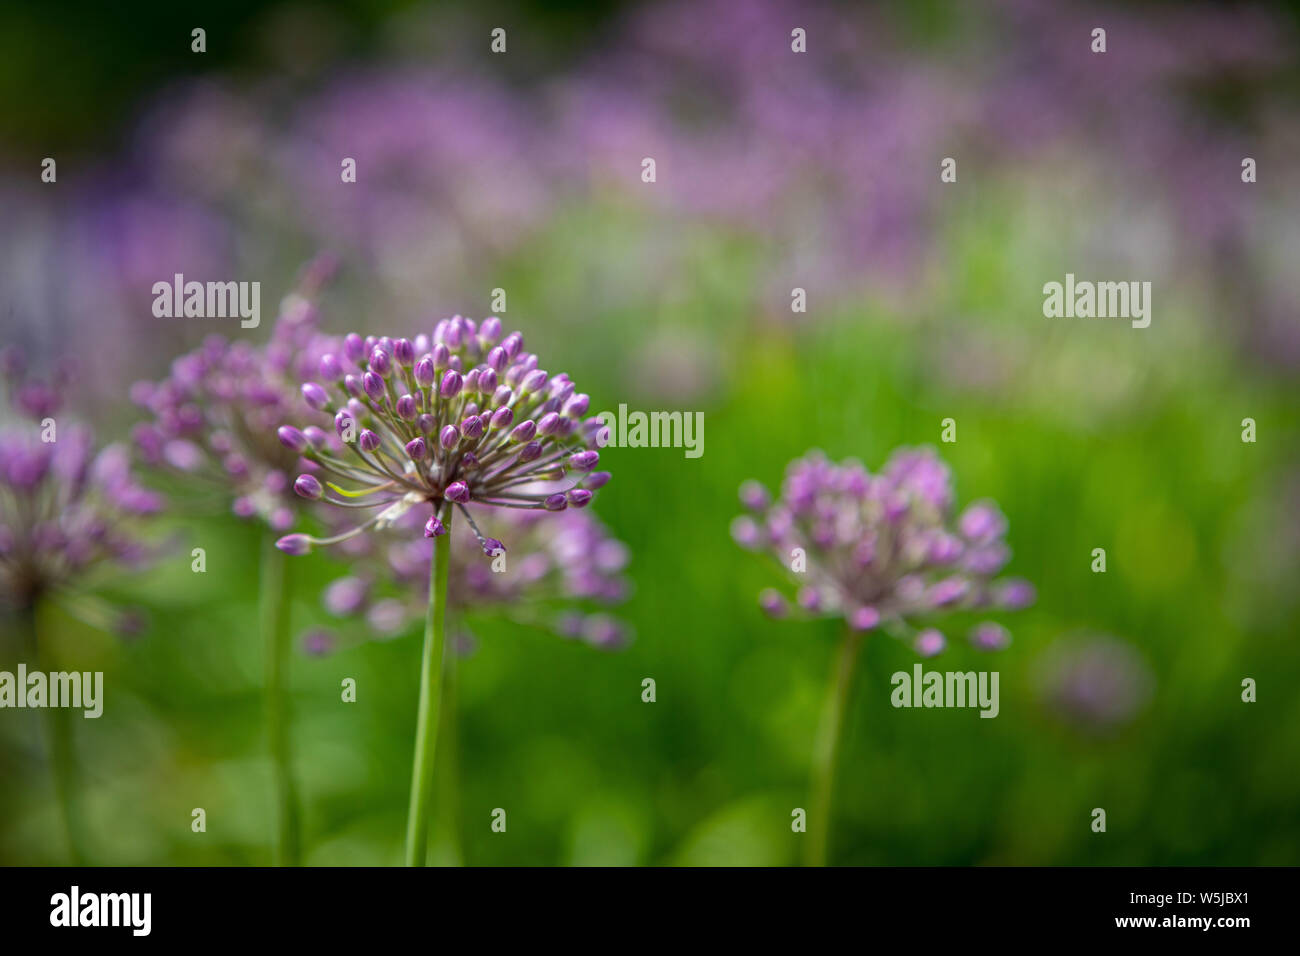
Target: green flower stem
x,y
63,757
826,748
274,615
426,728
447,769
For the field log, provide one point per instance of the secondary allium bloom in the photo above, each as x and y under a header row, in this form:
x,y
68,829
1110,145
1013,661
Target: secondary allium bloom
x,y
65,509
215,416
451,418
559,566
883,549
1094,683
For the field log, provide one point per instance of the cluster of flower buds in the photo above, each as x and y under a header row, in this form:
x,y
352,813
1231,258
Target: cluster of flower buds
x,y
559,566
214,417
882,549
65,509
444,419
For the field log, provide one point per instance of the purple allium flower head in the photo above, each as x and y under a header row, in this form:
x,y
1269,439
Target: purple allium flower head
x,y
65,508
219,416
392,466
881,550
1094,683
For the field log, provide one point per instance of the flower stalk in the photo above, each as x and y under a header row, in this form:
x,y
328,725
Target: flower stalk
x,y
276,641
431,674
826,749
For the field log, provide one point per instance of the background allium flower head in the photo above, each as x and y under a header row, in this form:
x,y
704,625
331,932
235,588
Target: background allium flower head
x,y
559,566
883,548
65,508
453,417
1094,683
215,416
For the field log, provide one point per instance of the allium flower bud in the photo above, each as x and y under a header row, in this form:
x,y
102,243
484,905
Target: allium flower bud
x,y
451,384
502,418
584,460
929,642
524,431
449,437
315,396
555,502
353,347
330,369
291,438
368,441
579,497
374,386
416,449
404,352
424,372
472,427
458,491
307,486
381,363
406,408
296,544
434,528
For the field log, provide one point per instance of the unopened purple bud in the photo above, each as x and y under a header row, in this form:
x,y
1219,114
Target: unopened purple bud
x,y
330,368
406,408
427,423
810,599
487,381
417,450
315,437
353,347
374,386
584,460
754,496
434,528
441,357
981,522
555,502
512,343
352,384
425,372
316,396
472,427
524,431
502,395
381,363
548,424
497,358
307,486
292,439
471,380
531,452
458,491
492,547
404,352
502,418
577,406
990,636
864,618
294,544
929,642
345,423
451,383
536,380
578,497
597,479
1014,594
368,440
772,603
449,437
489,329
